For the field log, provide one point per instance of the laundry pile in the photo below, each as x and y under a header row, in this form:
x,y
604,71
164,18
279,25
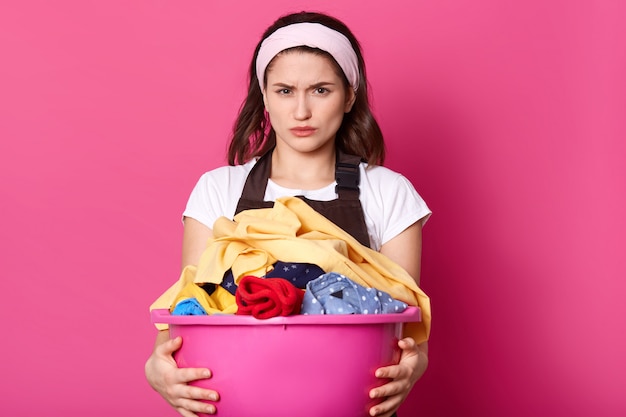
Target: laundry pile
x,y
250,259
267,297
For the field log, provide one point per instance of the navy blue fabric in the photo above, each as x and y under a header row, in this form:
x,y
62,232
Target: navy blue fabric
x,y
298,274
228,282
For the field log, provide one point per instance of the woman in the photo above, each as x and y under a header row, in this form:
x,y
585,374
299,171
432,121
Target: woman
x,y
305,129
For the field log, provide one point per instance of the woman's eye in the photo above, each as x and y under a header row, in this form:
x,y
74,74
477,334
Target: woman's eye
x,y
284,91
321,90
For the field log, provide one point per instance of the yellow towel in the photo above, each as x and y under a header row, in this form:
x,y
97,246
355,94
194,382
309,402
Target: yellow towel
x,y
292,231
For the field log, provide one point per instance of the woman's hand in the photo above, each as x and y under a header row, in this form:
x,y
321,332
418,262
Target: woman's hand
x,y
404,375
172,382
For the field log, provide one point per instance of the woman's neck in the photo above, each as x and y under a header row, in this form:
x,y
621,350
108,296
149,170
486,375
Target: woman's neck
x,y
305,171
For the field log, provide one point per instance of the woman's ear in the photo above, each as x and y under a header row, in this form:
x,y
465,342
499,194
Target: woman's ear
x,y
350,99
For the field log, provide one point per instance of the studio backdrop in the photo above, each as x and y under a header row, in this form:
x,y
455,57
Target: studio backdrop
x,y
508,117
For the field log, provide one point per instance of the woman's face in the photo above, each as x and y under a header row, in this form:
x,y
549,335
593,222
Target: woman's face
x,y
306,100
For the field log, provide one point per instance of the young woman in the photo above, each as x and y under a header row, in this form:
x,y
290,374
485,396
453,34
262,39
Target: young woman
x,y
305,129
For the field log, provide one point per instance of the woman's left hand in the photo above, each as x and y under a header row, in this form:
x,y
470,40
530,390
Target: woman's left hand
x,y
404,375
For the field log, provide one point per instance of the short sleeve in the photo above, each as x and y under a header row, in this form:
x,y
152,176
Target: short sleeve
x,y
402,207
216,194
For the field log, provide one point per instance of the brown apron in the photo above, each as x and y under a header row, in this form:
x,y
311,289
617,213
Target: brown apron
x,y
345,211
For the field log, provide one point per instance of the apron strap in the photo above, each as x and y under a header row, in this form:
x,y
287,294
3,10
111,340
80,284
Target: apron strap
x,y
345,211
347,176
256,182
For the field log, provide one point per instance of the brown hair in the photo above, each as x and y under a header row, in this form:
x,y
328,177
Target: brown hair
x,y
359,133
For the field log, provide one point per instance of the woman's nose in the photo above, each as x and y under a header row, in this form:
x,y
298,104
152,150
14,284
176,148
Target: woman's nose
x,y
303,109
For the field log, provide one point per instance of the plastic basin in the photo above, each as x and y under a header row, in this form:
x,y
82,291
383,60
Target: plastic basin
x,y
305,366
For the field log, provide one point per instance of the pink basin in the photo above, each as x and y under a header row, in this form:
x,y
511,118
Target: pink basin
x,y
305,366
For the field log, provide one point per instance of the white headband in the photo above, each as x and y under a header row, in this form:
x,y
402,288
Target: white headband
x,y
313,35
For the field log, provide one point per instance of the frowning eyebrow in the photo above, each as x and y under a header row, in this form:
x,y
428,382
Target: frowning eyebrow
x,y
312,86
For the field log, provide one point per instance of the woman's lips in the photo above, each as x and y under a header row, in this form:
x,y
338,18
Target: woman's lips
x,y
302,131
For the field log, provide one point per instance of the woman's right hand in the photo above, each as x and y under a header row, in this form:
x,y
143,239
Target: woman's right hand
x,y
172,382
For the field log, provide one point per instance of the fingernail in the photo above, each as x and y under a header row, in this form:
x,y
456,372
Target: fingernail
x,y
210,409
206,374
372,394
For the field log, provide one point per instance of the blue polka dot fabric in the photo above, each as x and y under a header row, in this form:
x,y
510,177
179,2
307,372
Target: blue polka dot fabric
x,y
333,293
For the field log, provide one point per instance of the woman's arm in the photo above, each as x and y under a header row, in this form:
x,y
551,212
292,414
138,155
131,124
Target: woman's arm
x,y
195,237
406,250
161,370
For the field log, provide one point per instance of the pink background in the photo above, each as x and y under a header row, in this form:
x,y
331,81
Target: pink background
x,y
507,116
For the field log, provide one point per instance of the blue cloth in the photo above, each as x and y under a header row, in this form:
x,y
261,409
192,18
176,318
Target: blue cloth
x,y
334,293
228,282
298,274
189,307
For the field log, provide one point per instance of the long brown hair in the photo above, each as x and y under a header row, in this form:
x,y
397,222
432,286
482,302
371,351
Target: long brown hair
x,y
359,133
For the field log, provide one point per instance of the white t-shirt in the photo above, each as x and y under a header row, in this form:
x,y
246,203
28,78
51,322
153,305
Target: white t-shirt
x,y
390,202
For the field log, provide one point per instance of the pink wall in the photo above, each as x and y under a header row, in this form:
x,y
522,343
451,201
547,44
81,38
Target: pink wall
x,y
508,117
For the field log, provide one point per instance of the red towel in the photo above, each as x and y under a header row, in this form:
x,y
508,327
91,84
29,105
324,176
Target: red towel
x,y
264,298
